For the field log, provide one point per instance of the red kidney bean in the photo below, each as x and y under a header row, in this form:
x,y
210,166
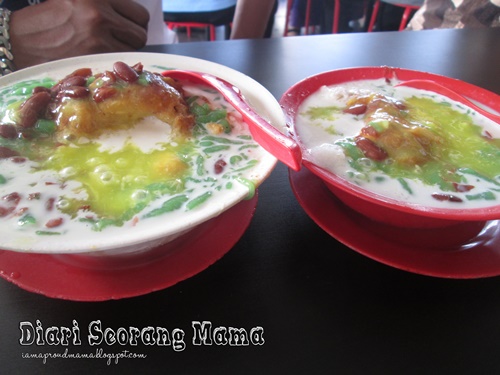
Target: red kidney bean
x,y
13,198
55,90
18,159
74,81
49,204
77,78
139,68
219,166
125,72
356,109
6,152
446,197
103,93
370,149
82,72
369,131
109,78
74,92
462,188
4,211
8,131
21,211
32,108
38,89
52,223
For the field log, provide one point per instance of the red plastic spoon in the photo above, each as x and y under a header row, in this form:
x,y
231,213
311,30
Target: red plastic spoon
x,y
271,139
429,85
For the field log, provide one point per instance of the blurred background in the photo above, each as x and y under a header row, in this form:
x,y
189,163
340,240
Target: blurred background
x,y
210,20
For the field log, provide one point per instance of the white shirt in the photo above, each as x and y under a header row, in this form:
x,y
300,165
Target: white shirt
x,y
158,32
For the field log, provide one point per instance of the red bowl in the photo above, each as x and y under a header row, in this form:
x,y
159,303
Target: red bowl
x,y
376,207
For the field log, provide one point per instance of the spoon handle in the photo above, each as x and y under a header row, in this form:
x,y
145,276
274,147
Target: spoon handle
x,y
429,85
271,139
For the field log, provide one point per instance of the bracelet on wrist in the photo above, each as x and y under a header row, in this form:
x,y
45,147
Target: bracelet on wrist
x,y
6,57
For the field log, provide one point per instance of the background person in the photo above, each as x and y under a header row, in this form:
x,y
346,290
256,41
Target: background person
x,y
42,31
445,14
253,19
321,15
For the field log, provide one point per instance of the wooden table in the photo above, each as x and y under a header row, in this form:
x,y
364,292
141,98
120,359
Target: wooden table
x,y
322,308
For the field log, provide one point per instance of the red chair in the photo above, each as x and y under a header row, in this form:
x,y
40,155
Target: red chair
x,y
408,9
190,25
336,13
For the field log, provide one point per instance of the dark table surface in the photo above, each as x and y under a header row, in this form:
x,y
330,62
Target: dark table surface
x,y
323,308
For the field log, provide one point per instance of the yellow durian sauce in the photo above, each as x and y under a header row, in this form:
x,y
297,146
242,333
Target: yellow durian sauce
x,y
118,181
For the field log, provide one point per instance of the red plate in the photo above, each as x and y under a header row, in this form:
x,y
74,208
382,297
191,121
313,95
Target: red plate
x,y
476,257
84,278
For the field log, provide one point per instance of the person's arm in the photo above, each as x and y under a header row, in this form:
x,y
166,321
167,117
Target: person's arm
x,y
251,18
58,29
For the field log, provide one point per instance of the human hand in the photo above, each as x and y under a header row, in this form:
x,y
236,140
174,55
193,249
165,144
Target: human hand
x,y
57,29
